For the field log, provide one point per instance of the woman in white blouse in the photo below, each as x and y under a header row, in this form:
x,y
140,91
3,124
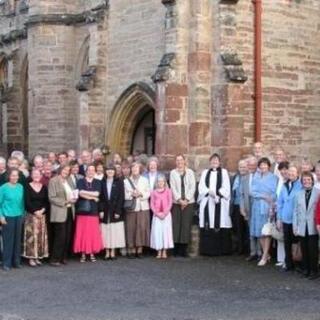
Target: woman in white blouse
x,y
137,218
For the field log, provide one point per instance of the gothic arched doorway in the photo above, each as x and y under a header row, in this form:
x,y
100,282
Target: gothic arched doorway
x,y
132,126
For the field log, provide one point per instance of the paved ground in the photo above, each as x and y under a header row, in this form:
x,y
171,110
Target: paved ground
x,y
177,289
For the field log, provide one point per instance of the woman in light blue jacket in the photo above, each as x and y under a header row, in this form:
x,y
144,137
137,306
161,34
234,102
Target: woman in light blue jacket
x,y
285,206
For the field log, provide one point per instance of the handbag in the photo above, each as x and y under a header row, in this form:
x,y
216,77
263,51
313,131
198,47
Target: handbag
x,y
267,229
130,205
276,233
84,205
296,252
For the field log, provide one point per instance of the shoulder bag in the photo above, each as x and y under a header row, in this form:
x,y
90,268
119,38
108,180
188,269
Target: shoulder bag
x,y
130,204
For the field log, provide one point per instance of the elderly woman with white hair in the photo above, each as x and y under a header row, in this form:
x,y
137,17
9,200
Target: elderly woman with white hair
x,y
152,172
161,229
137,194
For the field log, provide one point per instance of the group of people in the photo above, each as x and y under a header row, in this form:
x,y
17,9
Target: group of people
x,y
276,206
64,205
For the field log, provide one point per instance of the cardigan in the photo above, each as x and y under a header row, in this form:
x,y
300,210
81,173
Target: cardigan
x,y
161,202
11,200
142,203
36,200
189,182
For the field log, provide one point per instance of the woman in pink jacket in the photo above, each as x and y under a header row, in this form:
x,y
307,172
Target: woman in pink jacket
x,y
161,228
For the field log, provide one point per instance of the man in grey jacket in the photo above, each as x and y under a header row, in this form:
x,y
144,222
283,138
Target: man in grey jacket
x,y
245,205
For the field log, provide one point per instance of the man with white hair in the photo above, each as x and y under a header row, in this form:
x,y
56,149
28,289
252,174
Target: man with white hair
x,y
258,150
97,155
86,159
245,204
72,156
279,156
38,162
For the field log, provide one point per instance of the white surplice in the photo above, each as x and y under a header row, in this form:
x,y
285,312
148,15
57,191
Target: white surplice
x,y
204,198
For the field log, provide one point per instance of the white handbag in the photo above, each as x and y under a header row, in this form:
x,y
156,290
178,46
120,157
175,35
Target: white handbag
x,y
270,230
267,229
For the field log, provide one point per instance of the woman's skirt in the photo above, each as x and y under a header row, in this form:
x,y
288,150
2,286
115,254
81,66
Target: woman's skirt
x,y
257,221
87,235
113,236
182,223
35,237
138,228
161,233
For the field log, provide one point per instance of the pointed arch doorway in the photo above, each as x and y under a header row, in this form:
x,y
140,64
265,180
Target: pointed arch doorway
x,y
132,122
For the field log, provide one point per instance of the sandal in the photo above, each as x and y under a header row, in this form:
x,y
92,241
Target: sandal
x,y
38,262
92,258
83,259
32,263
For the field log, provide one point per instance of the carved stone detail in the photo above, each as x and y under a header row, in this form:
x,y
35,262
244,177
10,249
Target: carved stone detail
x,y
165,68
86,81
233,67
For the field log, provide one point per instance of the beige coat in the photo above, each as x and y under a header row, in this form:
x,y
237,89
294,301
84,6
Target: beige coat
x,y
142,203
58,201
189,182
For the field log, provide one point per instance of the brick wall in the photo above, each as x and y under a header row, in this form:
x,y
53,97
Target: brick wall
x,y
291,63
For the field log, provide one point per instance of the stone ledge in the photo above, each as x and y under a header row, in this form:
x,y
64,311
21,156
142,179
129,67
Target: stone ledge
x,y
94,15
13,36
168,2
229,1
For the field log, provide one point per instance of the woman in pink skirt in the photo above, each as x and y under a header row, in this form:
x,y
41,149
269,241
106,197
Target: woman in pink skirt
x,y
161,228
87,236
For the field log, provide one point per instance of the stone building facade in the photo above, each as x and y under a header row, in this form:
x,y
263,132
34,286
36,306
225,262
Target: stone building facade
x,y
177,73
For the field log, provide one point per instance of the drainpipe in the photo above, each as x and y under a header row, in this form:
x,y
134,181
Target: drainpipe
x,y
257,67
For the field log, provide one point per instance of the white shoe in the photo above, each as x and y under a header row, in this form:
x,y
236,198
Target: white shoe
x,y
279,264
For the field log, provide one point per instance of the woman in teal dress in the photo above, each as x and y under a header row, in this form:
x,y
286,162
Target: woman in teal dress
x,y
11,214
263,194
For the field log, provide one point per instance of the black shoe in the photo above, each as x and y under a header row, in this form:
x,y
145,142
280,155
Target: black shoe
x,y
139,255
313,276
131,256
252,258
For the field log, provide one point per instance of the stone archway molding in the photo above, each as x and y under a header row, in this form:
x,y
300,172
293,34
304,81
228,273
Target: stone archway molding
x,y
131,106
